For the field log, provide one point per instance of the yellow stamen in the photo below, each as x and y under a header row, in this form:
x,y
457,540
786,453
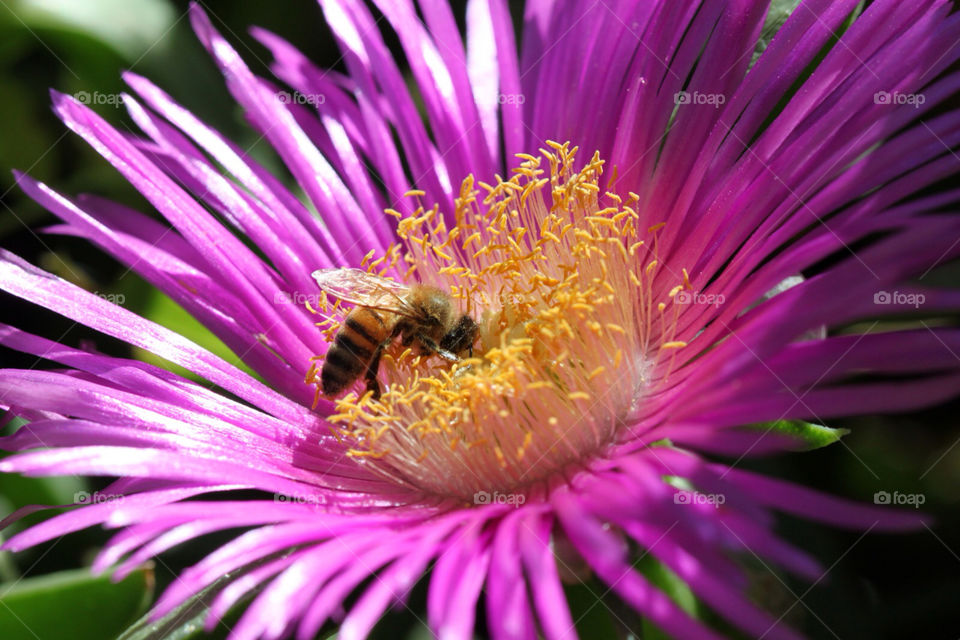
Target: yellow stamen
x,y
572,331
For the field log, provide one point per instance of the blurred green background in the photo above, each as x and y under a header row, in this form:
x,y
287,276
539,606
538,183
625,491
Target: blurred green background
x,y
878,586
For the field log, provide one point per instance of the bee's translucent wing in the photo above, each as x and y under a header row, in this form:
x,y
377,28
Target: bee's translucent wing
x,y
362,288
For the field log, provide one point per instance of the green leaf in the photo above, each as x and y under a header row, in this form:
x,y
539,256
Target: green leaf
x,y
73,604
777,15
670,583
18,491
590,608
23,145
127,26
780,11
185,622
142,298
808,436
598,612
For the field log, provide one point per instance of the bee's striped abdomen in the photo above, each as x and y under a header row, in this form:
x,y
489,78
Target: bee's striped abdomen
x,y
358,340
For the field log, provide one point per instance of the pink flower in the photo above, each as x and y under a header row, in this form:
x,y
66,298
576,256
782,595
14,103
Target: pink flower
x,y
648,279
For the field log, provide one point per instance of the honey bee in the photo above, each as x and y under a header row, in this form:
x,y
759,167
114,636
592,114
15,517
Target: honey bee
x,y
420,315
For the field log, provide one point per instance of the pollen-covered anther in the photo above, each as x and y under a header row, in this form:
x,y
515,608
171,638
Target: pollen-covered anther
x,y
560,278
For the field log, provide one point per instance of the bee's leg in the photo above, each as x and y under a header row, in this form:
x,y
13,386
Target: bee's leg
x,y
433,347
404,330
371,375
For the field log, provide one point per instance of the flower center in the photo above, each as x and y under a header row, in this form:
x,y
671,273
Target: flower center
x,y
572,337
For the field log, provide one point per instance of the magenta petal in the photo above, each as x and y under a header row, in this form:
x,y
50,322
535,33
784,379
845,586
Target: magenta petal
x,y
510,614
455,585
293,222
547,592
37,286
393,584
599,549
312,170
97,513
817,506
245,583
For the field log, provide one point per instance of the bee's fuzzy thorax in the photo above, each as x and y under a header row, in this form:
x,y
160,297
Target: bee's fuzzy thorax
x,y
560,280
